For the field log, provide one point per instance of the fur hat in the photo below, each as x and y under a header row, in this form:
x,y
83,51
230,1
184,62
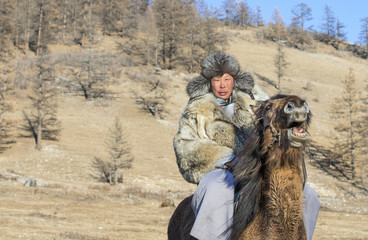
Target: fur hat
x,y
217,64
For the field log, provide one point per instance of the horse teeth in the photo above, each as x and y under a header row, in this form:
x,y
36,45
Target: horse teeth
x,y
299,134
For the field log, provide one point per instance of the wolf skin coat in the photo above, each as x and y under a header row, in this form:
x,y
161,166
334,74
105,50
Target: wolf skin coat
x,y
207,136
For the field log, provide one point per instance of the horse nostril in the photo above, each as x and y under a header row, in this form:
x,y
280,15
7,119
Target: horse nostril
x,y
300,114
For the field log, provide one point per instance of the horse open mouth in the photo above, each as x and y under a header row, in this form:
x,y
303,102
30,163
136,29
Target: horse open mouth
x,y
297,135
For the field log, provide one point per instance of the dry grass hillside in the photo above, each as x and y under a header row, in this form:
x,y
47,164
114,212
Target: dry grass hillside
x,y
68,204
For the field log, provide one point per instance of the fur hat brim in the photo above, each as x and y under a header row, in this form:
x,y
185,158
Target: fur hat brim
x,y
198,86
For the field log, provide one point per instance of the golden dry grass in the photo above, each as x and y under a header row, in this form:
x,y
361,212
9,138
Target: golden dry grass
x,y
68,204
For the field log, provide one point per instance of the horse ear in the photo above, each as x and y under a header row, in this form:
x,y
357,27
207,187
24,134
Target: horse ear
x,y
254,108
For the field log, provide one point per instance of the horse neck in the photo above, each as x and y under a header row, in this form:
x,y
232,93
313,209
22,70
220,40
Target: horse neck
x,y
284,162
282,192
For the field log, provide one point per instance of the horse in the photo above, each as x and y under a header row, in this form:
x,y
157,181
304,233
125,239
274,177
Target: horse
x,y
270,175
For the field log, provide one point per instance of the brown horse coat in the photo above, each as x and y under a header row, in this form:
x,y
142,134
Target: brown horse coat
x,y
270,172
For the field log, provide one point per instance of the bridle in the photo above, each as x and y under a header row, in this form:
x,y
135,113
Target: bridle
x,y
276,136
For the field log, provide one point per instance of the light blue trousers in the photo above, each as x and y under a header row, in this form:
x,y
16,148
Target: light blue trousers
x,y
213,206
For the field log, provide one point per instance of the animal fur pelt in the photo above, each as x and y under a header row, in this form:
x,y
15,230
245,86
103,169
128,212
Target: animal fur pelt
x,y
207,135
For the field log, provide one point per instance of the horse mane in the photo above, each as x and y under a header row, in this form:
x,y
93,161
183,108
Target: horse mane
x,y
248,175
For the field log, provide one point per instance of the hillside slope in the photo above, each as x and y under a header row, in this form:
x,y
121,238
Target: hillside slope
x,y
68,204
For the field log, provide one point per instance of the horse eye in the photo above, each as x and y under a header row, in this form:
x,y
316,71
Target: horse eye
x,y
289,107
306,107
268,107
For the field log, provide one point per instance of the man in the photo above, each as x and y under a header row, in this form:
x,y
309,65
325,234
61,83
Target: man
x,y
212,130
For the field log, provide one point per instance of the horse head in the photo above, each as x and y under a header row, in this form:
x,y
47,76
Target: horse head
x,y
284,119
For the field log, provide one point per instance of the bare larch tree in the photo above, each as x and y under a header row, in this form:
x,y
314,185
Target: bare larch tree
x,y
340,33
120,156
347,111
328,26
364,32
40,117
280,64
276,27
301,15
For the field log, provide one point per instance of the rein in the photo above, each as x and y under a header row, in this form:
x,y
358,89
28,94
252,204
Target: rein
x,y
305,175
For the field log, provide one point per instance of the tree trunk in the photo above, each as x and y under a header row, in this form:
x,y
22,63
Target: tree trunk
x,y
89,83
147,41
116,171
39,49
156,52
28,27
64,23
39,129
16,35
352,145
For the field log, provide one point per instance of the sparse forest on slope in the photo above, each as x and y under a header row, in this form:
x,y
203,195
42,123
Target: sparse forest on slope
x,y
70,69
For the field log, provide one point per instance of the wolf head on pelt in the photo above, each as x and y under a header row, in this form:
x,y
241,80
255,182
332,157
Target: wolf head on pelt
x,y
217,64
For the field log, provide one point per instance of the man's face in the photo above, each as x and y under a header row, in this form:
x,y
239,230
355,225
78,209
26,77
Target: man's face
x,y
222,87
